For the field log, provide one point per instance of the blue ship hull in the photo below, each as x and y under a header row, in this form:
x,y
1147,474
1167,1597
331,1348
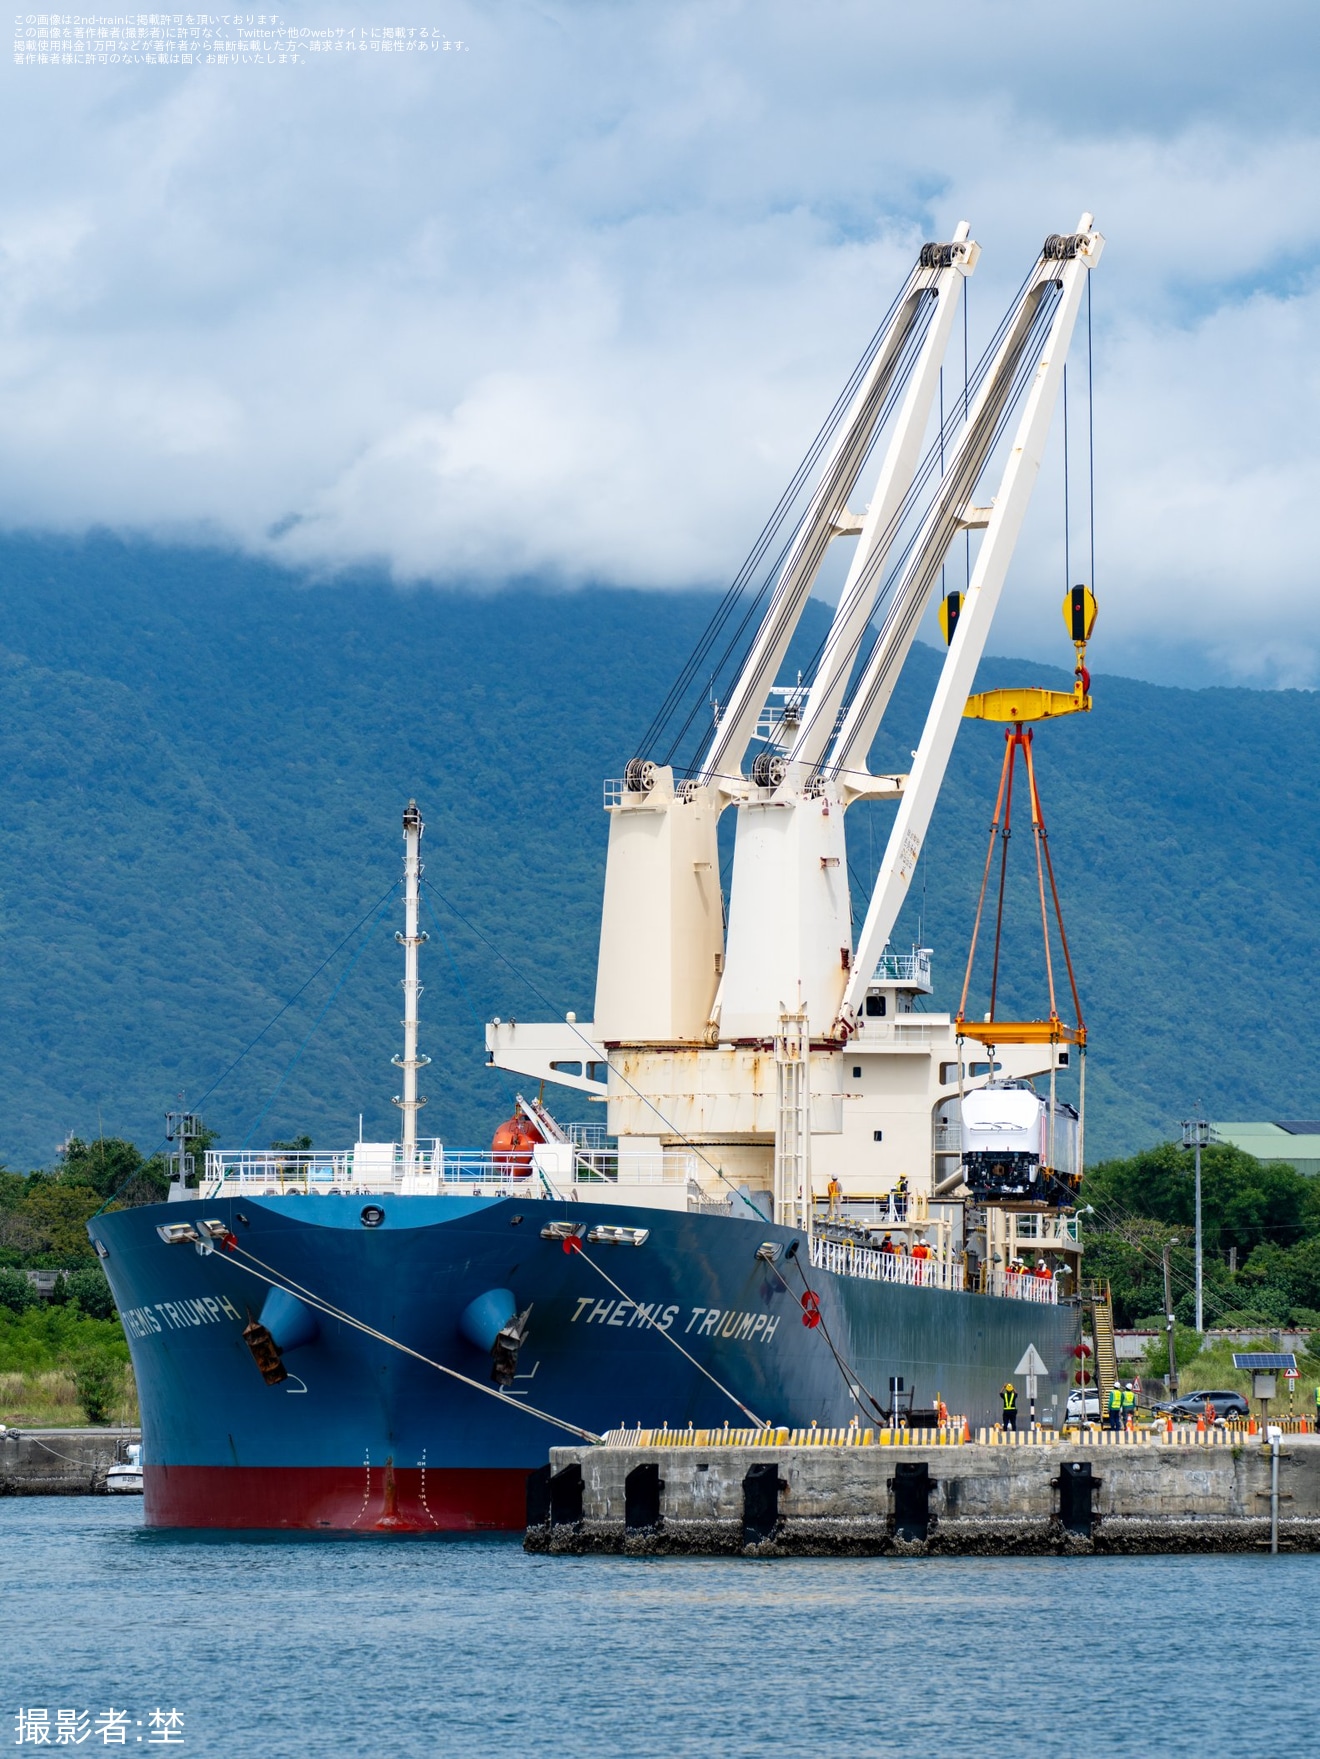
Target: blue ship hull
x,y
364,1437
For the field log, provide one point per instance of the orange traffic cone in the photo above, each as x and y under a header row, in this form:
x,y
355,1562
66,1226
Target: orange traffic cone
x,y
1200,1425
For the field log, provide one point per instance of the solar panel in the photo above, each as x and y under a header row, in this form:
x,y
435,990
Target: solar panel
x,y
1264,1361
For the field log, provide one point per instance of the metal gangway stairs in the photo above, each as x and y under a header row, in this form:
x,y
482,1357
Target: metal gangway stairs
x,y
1102,1331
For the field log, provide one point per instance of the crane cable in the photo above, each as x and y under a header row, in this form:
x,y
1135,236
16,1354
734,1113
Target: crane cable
x,y
1014,737
738,586
1030,345
772,583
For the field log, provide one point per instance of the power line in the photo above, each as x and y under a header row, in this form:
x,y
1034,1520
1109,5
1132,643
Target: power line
x,y
257,1038
346,974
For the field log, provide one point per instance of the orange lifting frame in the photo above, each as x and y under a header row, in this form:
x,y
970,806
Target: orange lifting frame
x,y
992,1031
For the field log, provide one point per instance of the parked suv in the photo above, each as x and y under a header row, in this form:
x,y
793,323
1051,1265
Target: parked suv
x,y
1193,1405
1073,1409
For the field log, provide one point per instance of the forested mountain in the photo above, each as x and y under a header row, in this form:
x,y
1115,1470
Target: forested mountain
x,y
204,766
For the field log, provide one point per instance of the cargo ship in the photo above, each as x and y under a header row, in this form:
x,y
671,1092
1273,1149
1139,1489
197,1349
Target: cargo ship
x,y
787,1217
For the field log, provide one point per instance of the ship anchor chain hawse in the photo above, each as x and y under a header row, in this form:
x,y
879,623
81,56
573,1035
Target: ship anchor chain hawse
x,y
804,1201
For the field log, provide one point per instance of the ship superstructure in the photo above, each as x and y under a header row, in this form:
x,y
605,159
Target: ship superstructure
x,y
697,1024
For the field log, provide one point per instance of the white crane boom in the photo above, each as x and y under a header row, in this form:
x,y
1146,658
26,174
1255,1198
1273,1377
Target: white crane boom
x,y
950,512
826,517
1068,261
857,600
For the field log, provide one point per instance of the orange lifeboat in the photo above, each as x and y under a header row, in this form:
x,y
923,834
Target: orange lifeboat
x,y
513,1143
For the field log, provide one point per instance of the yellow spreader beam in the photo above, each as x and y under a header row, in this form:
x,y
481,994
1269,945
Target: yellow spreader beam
x,y
1030,704
1020,1031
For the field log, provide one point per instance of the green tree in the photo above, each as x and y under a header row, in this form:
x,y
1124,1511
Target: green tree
x,y
90,1291
1186,1348
16,1292
98,1380
114,1168
1245,1202
58,1213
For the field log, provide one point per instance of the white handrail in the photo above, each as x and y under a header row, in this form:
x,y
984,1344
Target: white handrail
x,y
1022,1285
844,1259
387,1168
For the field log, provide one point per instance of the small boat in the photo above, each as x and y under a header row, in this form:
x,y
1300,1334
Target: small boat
x,y
125,1477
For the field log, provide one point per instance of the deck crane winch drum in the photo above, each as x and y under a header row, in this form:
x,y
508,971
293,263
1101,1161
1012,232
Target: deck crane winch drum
x,y
1017,1149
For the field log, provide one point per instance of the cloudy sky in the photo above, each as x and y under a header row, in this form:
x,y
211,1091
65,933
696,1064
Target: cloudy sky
x,y
568,302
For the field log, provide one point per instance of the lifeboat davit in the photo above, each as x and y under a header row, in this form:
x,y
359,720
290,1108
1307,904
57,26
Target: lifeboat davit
x,y
513,1143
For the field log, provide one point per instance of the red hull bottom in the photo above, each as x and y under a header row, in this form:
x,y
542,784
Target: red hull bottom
x,y
337,1499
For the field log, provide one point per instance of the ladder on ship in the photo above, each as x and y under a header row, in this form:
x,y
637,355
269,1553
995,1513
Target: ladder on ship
x,y
534,1110
1102,1332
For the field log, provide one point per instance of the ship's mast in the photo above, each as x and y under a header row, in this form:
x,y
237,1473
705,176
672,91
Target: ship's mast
x,y
408,1101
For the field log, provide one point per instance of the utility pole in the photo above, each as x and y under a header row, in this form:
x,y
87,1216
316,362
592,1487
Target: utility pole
x,y
1196,1134
1168,1322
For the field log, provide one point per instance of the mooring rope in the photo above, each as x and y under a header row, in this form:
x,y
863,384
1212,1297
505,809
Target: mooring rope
x,y
300,1293
758,1421
857,1387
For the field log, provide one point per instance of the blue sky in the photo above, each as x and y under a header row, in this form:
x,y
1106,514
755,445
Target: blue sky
x,y
569,303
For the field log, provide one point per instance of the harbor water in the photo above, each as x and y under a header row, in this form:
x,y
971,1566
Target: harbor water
x,y
281,1645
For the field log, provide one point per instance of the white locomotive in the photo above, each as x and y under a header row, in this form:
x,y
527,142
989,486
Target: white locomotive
x,y
1016,1150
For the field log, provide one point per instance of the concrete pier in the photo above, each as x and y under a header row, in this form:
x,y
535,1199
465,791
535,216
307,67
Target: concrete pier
x,y
1048,1498
60,1462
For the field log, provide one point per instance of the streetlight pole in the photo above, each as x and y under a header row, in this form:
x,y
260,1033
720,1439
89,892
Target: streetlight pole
x,y
1168,1322
1196,1133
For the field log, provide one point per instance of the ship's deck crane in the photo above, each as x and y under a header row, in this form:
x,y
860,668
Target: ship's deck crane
x,y
684,1012
662,928
1063,268
790,932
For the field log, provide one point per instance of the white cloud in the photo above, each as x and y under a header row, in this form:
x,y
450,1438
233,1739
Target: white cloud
x,y
571,304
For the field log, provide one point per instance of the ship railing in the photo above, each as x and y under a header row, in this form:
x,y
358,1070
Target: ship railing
x,y
606,1166
948,1138
377,1168
921,1029
913,967
895,1210
887,1267
1039,1229
433,1170
1023,1285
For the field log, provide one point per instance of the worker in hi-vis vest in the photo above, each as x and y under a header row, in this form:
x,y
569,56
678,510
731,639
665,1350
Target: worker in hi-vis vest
x,y
1129,1402
1114,1409
1010,1405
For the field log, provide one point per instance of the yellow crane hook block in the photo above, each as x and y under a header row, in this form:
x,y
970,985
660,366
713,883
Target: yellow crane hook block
x,y
1033,703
